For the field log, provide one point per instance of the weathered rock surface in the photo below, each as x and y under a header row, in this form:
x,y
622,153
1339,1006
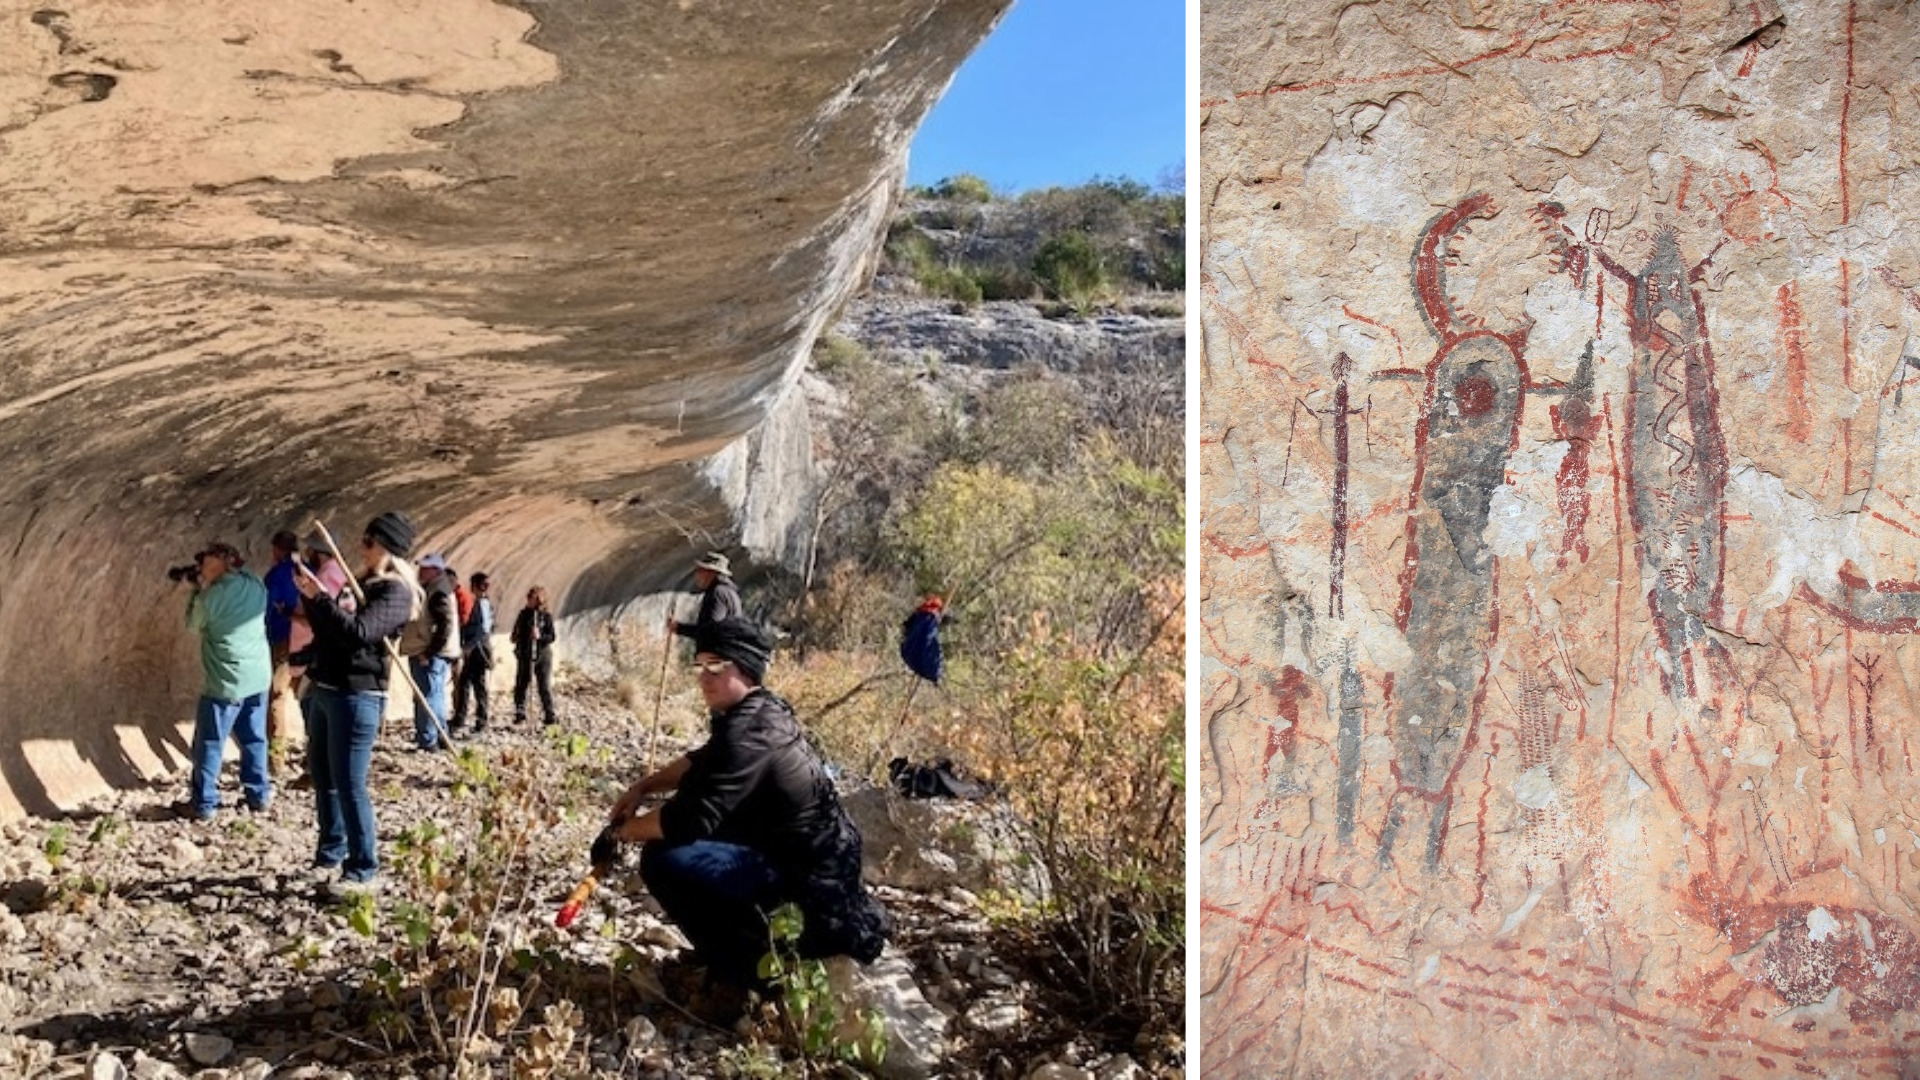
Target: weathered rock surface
x,y
1012,334
935,845
524,270
1559,531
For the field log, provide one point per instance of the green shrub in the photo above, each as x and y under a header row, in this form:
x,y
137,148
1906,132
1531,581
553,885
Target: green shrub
x,y
964,187
1069,268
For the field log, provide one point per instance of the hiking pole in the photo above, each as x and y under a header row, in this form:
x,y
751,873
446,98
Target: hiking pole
x,y
393,648
905,712
660,696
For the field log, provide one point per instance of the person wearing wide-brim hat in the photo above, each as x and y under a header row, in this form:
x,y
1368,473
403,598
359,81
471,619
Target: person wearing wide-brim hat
x,y
719,597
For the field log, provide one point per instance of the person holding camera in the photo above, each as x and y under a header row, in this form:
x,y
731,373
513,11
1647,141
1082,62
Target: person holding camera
x,y
228,610
348,668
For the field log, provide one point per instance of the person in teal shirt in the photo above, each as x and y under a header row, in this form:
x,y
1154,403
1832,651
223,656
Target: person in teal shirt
x,y
228,609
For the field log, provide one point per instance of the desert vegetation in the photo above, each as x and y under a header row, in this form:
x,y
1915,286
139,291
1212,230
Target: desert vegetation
x,y
1048,512
1106,243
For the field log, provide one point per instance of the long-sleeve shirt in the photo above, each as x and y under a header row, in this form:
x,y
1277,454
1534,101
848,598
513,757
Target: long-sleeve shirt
x,y
283,599
718,604
532,633
333,580
230,617
757,782
350,651
477,631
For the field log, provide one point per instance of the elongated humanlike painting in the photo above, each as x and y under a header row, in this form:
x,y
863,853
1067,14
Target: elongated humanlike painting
x,y
1560,513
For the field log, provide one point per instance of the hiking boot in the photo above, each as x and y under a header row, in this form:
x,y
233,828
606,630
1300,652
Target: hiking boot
x,y
347,889
185,810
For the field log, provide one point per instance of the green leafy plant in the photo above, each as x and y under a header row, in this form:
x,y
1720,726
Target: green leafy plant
x,y
1071,269
811,1020
54,847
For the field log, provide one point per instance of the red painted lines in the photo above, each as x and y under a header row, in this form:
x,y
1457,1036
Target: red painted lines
x,y
1799,417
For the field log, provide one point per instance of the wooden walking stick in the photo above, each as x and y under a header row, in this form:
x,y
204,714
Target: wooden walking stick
x,y
660,695
577,899
393,648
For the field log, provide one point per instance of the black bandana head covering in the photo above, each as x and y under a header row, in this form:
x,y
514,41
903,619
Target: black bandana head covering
x,y
739,640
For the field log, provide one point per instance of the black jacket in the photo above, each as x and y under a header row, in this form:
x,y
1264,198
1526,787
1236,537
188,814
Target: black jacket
x,y
532,633
349,649
718,604
757,782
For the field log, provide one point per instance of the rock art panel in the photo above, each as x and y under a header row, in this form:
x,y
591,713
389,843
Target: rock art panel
x,y
1560,539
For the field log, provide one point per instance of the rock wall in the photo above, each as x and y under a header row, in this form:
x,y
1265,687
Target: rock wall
x,y
1561,538
519,269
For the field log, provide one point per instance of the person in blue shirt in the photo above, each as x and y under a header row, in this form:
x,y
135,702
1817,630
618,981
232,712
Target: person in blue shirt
x,y
476,663
283,601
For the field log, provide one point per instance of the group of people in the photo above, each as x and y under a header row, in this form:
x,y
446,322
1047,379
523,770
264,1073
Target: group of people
x,y
750,819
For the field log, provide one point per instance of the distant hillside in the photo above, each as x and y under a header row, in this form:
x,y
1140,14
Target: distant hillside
x,y
1104,244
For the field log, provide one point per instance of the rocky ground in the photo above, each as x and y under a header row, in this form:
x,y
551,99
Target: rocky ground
x,y
137,944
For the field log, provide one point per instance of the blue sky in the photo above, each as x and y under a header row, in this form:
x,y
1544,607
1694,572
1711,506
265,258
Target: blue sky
x,y
1062,91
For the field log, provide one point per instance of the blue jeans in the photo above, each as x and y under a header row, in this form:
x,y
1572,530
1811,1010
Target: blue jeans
x,y
341,728
246,721
718,894
430,674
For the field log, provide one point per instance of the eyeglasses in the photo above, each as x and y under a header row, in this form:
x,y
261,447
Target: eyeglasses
x,y
711,667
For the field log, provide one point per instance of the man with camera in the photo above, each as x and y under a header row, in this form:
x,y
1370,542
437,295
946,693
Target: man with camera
x,y
228,609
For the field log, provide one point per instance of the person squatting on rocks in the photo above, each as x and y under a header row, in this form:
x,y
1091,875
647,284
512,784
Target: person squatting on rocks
x,y
753,823
283,601
349,673
227,609
476,658
431,643
533,655
719,597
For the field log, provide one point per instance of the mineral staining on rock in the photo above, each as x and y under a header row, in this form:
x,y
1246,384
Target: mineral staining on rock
x,y
544,275
1561,509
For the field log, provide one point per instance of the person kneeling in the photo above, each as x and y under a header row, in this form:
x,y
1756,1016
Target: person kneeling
x,y
753,823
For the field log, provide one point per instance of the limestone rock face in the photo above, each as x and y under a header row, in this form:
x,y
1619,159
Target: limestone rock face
x,y
1561,538
522,270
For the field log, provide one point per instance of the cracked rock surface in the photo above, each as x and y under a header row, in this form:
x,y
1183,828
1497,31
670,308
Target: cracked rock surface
x,y
1560,449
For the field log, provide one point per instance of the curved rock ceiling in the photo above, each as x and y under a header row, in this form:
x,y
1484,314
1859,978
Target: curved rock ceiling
x,y
523,270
